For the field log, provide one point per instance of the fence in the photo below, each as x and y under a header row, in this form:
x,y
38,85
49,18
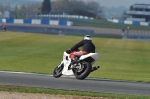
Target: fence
x,y
64,16
136,34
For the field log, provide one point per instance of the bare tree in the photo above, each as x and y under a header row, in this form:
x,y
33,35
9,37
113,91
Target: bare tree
x,y
61,6
8,7
75,6
33,8
1,7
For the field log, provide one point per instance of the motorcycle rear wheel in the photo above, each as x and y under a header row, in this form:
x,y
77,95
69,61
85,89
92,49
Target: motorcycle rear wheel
x,y
86,69
58,71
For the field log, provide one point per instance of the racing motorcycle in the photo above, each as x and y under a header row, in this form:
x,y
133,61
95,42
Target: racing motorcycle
x,y
80,68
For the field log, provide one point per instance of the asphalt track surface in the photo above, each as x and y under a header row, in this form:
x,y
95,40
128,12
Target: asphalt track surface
x,y
70,83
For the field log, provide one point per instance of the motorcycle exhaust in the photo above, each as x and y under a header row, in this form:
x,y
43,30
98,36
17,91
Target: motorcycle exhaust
x,y
95,68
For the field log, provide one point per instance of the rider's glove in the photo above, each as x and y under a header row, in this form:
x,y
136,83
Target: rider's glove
x,y
68,51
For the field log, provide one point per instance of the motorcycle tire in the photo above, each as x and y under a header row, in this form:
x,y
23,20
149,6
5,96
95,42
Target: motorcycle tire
x,y
58,71
85,72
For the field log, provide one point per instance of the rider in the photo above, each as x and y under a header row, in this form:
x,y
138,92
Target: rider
x,y
87,47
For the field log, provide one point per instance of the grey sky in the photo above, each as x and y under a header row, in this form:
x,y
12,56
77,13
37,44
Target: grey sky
x,y
116,3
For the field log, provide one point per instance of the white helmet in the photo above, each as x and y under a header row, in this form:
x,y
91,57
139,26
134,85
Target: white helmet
x,y
87,37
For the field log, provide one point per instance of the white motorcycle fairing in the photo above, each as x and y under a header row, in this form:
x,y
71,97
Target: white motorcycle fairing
x,y
95,56
67,61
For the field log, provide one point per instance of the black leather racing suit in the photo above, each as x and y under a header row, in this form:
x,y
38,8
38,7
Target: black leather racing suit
x,y
86,45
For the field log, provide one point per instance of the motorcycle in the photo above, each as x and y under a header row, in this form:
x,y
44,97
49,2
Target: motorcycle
x,y
80,68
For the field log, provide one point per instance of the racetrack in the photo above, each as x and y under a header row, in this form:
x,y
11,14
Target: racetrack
x,y
52,29
70,83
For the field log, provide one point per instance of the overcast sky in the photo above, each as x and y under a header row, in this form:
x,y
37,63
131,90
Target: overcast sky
x,y
116,3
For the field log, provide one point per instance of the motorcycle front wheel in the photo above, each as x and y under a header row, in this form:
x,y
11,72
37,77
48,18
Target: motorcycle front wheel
x,y
83,71
58,71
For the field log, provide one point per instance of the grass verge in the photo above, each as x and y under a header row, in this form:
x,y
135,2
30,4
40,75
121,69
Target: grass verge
x,y
64,92
105,24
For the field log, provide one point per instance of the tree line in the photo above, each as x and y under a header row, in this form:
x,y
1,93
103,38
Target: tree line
x,y
70,7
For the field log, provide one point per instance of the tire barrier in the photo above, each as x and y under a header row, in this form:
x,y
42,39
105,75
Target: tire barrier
x,y
37,21
129,22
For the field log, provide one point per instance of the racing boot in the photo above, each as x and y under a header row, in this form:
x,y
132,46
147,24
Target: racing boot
x,y
75,60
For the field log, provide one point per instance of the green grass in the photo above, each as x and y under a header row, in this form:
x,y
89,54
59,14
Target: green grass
x,y
106,24
65,92
40,53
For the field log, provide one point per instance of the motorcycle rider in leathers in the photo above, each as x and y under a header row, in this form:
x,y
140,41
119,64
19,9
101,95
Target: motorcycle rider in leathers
x,y
87,47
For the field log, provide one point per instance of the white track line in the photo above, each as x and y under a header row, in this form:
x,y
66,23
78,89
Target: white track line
x,y
9,72
50,75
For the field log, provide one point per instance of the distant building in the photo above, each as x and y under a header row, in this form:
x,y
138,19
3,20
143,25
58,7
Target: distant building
x,y
139,12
